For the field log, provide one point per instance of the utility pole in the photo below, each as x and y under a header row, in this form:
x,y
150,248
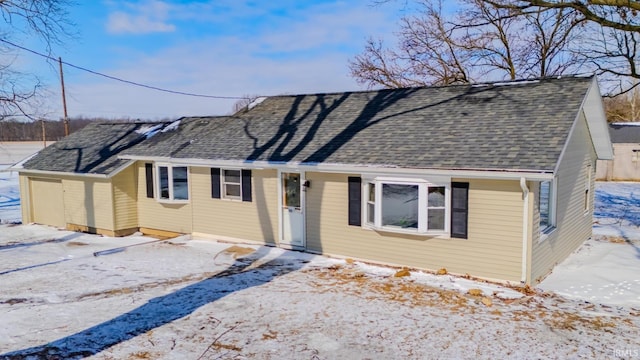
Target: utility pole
x,y
64,100
44,134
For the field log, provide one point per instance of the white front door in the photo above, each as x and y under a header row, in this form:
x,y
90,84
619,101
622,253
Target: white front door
x,y
292,212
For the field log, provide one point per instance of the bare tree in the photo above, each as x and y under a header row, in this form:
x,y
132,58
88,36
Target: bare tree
x,y
612,32
243,103
615,55
43,19
480,41
621,15
624,107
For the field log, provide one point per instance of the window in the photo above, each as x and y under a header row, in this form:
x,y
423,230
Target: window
x,y
406,206
436,208
587,187
635,155
546,205
399,206
291,193
231,184
371,203
173,183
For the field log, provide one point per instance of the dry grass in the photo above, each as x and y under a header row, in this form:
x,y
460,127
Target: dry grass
x,y
238,251
76,243
142,355
615,239
146,286
571,321
232,347
402,273
270,335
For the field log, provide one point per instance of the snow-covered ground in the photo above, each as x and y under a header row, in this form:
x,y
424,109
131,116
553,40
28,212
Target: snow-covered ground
x,y
606,268
72,295
9,197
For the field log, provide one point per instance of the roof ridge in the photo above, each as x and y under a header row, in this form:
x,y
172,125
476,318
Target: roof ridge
x,y
474,84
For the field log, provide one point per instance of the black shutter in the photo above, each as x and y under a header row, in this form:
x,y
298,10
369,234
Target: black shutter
x,y
355,200
215,183
148,170
246,185
459,209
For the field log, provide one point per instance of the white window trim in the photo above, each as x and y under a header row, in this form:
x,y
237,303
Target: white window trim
x,y
157,185
365,210
423,185
223,182
553,201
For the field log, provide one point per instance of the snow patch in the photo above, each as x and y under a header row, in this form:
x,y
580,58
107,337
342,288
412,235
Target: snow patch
x,y
173,126
149,130
256,102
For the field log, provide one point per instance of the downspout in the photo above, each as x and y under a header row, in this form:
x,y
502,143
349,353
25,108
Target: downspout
x,y
525,228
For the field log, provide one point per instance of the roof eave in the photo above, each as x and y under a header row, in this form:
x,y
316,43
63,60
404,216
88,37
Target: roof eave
x,y
352,168
108,175
60,173
593,109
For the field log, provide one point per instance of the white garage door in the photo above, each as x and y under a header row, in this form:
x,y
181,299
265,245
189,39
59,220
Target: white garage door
x,y
47,206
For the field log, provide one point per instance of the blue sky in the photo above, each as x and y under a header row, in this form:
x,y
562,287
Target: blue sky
x,y
223,47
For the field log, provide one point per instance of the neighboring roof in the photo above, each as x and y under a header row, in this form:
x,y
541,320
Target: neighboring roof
x,y
93,149
625,132
520,126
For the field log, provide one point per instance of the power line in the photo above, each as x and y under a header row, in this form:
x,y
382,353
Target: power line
x,y
124,80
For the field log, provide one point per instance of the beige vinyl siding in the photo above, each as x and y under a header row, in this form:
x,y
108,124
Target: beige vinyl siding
x,y
493,248
256,220
125,205
47,202
152,214
573,225
622,167
25,199
88,202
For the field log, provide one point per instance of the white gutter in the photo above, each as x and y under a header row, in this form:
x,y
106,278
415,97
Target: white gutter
x,y
525,228
355,169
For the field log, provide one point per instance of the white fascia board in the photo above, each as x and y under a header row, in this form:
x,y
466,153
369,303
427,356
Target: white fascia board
x,y
120,168
60,173
593,108
372,170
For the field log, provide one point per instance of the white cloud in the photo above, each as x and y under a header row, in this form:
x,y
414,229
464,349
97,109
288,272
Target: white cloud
x,y
307,55
144,18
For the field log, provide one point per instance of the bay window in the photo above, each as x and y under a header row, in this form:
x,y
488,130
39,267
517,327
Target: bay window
x,y
408,205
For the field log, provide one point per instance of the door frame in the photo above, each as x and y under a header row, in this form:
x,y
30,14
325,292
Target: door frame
x,y
303,205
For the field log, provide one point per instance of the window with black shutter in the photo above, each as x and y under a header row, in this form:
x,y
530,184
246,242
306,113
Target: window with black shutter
x,y
459,209
215,183
355,198
148,170
246,185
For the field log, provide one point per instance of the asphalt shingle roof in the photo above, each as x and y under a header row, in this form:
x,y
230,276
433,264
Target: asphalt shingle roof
x,y
624,133
91,150
511,126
